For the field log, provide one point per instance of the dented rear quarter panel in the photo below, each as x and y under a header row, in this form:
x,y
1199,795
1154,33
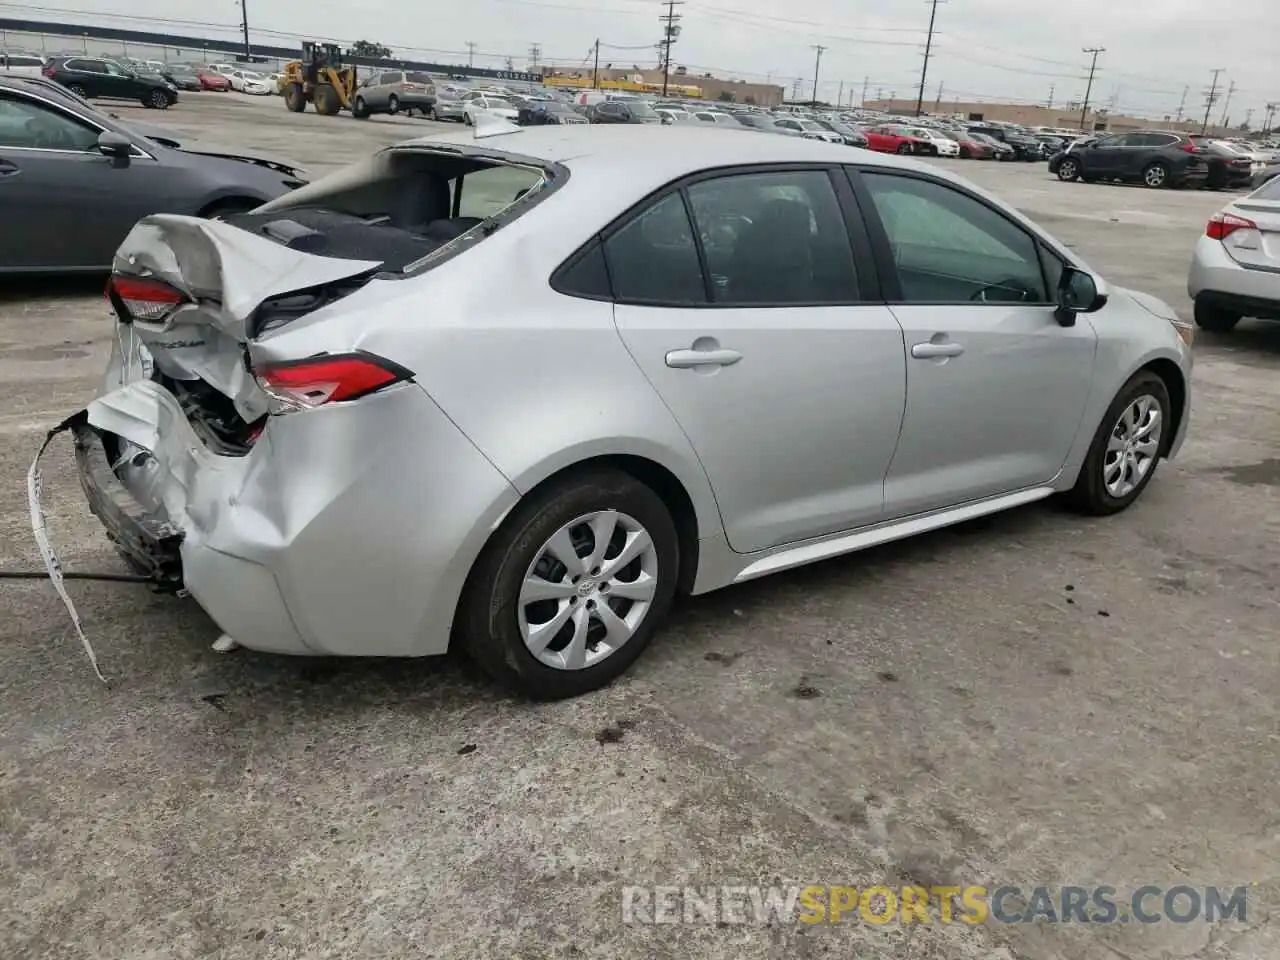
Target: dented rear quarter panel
x,y
539,381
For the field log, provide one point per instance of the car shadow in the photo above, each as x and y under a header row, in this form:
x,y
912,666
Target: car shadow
x,y
1257,336
51,287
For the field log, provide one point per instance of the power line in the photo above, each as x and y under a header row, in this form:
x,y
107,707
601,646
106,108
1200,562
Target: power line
x,y
1093,67
928,47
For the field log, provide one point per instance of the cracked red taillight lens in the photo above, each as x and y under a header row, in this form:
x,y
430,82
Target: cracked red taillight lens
x,y
330,378
144,298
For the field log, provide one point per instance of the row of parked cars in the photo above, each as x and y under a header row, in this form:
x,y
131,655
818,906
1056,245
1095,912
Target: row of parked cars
x,y
153,83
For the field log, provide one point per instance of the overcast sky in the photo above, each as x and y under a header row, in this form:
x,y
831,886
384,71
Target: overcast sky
x,y
983,49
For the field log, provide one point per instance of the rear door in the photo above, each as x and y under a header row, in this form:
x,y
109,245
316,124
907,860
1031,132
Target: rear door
x,y
742,299
1108,157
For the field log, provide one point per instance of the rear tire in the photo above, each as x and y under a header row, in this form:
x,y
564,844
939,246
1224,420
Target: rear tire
x,y
904,148
493,615
328,103
1090,494
294,98
1215,319
393,104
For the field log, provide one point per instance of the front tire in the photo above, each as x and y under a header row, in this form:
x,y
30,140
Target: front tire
x,y
359,109
1156,176
295,97
79,91
572,587
1068,170
328,102
904,148
393,105
1126,450
1215,319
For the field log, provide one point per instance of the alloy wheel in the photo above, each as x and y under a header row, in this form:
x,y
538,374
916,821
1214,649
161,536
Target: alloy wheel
x,y
1133,445
588,590
1154,175
1067,170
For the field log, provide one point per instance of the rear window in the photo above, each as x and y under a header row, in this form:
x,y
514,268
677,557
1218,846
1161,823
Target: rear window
x,y
417,78
1268,191
17,60
408,208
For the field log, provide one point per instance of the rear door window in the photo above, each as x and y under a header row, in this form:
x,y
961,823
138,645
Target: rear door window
x,y
653,259
774,239
486,192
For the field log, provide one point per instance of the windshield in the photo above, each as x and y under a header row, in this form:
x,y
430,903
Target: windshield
x,y
496,102
641,109
180,68
811,125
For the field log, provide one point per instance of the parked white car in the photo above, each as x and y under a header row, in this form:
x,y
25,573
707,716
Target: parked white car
x,y
21,64
945,146
473,104
254,84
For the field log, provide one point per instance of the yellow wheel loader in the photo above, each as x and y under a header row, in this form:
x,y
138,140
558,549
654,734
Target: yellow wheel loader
x,y
320,78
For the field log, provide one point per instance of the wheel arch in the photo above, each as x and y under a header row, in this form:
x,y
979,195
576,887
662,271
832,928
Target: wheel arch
x,y
1171,374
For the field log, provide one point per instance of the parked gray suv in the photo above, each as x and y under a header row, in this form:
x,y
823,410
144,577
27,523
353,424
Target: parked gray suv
x,y
393,91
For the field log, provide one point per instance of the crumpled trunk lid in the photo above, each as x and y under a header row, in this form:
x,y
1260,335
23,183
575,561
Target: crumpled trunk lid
x,y
225,273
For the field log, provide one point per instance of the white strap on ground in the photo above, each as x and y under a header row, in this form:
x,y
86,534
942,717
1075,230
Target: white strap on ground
x,y
35,486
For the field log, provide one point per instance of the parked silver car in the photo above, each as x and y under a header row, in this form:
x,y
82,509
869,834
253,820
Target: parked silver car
x,y
391,91
330,424
1235,268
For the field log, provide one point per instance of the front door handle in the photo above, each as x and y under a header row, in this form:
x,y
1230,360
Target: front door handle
x,y
683,359
932,351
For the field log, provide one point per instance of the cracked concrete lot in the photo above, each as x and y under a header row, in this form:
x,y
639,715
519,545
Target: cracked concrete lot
x,y
1034,699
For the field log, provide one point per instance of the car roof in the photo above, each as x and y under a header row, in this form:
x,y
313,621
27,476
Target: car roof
x,y
640,158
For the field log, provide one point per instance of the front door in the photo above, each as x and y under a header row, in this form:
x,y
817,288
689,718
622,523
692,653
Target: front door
x,y
51,172
996,388
1107,157
788,380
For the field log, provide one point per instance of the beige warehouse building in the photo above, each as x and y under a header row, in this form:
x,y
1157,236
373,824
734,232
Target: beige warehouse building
x,y
1035,116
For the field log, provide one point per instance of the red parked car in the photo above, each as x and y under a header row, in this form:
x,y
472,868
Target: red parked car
x,y
973,149
209,80
891,139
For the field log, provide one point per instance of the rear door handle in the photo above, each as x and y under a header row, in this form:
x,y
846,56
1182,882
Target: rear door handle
x,y
681,359
932,351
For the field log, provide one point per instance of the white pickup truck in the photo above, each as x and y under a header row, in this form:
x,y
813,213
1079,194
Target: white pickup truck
x,y
21,64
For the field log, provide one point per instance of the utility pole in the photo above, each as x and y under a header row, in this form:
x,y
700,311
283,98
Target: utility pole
x,y
840,95
928,48
866,81
1209,99
937,104
817,62
1271,113
1093,67
670,30
471,53
1182,104
244,23
1248,117
1049,103
1226,103
535,54
595,70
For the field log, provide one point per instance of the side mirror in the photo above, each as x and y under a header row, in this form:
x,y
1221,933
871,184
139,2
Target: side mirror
x,y
1077,293
114,144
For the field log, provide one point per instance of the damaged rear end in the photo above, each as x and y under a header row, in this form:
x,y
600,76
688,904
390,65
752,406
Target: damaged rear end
x,y
238,471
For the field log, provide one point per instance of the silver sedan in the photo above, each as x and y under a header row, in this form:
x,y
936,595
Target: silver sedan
x,y
516,390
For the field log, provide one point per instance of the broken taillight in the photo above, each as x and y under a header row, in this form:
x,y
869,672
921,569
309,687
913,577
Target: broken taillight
x,y
329,378
143,298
